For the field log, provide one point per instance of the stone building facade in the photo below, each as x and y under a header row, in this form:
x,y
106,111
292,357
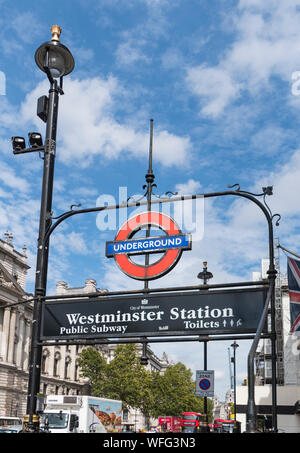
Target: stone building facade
x,y
15,328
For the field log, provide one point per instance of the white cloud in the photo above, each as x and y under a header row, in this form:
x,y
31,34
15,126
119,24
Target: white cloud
x,y
9,178
265,45
285,181
215,85
69,243
88,125
191,187
129,52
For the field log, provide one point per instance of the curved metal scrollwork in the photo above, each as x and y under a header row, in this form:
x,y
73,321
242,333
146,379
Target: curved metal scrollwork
x,y
265,191
167,194
70,210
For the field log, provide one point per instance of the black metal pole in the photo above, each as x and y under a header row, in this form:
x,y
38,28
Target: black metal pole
x,y
272,276
234,383
251,407
42,254
205,369
234,346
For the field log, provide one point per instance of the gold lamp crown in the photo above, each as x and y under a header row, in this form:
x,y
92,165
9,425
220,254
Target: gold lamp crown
x,y
56,31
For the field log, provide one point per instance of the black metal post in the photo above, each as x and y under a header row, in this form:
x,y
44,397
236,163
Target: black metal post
x,y
272,277
205,369
234,383
234,346
42,254
251,407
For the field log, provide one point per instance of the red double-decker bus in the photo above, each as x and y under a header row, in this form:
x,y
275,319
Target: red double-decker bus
x,y
226,426
170,424
193,422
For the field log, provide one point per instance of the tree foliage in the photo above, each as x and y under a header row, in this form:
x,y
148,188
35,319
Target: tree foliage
x,y
174,392
124,378
94,367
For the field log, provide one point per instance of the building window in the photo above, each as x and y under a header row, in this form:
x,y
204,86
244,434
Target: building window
x,y
56,364
67,368
76,371
45,361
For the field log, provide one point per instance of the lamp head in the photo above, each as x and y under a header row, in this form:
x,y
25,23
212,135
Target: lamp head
x,y
144,360
54,57
234,345
18,143
35,139
205,274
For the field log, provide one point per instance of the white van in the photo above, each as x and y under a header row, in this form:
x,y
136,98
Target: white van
x,y
10,424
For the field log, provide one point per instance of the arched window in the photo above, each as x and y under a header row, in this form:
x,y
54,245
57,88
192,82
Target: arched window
x,y
45,360
76,371
67,367
57,358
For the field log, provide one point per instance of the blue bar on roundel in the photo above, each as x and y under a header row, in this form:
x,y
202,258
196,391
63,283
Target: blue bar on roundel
x,y
149,245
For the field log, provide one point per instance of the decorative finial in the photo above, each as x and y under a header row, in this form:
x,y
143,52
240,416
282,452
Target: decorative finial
x,y
56,31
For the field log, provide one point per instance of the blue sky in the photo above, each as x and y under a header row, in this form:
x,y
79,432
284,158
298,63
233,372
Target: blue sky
x,y
219,78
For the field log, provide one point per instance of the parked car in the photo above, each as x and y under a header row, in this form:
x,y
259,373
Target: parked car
x,y
11,429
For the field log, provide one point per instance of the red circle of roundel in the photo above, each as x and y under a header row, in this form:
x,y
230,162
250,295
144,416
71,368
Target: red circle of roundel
x,y
159,268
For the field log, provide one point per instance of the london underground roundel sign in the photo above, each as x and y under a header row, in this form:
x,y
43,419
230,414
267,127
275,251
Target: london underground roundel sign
x,y
171,245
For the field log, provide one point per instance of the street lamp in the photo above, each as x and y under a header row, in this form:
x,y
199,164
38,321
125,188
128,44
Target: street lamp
x,y
233,359
54,58
56,61
205,275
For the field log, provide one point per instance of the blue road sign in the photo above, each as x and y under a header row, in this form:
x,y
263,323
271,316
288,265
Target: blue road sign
x,y
205,383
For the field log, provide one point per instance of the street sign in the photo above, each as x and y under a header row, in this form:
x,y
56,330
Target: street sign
x,y
188,313
171,244
205,383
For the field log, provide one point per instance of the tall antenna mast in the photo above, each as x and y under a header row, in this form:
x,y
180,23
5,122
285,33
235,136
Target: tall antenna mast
x,y
149,179
150,175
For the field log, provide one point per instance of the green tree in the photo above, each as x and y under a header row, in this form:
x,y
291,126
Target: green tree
x,y
124,378
94,367
128,379
174,392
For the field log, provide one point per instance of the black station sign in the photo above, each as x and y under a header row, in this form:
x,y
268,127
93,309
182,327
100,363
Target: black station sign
x,y
189,313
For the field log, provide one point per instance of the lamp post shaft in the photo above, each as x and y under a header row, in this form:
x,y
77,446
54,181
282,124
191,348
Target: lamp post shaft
x,y
205,369
42,250
234,380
